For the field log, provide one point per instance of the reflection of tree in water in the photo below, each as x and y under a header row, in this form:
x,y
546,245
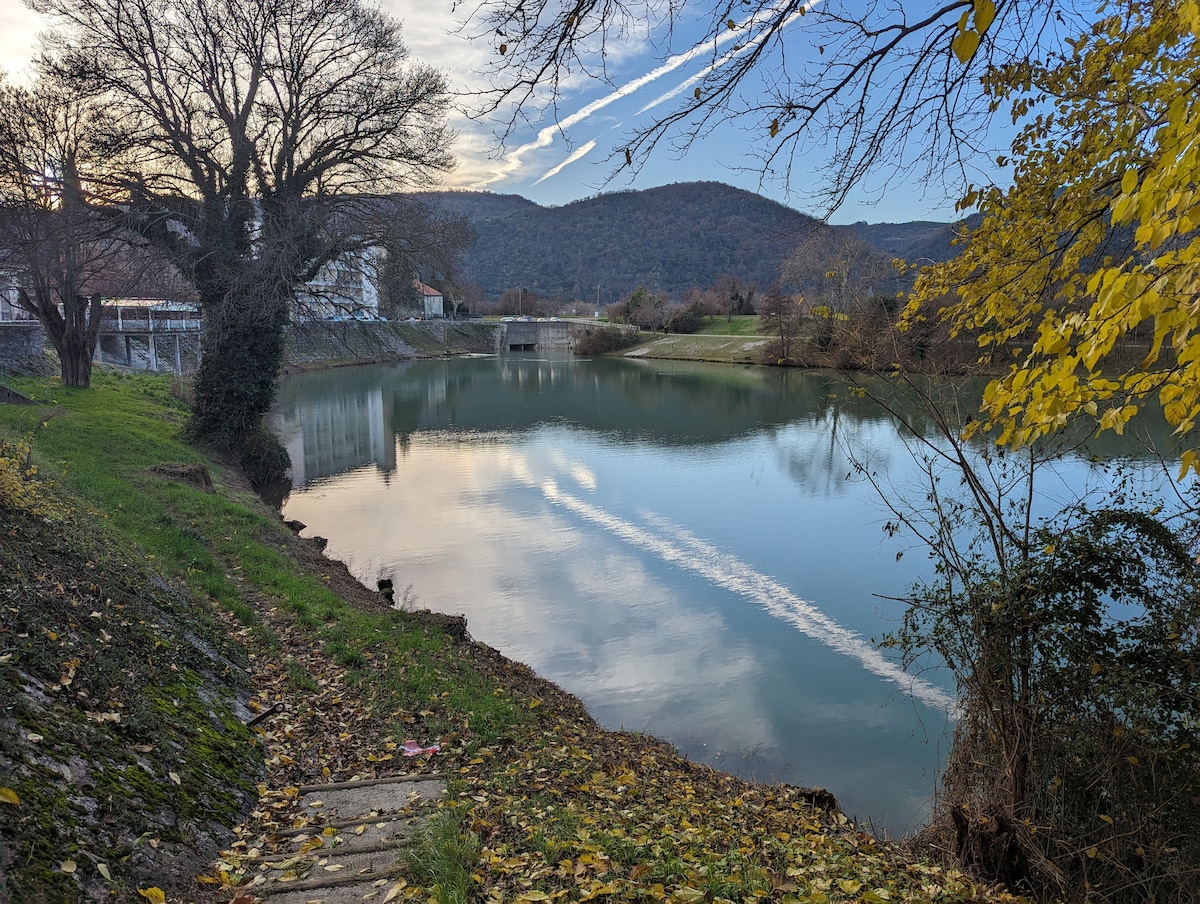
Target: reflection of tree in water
x,y
814,455
657,403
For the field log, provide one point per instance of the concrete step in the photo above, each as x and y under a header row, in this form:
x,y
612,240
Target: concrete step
x,y
350,852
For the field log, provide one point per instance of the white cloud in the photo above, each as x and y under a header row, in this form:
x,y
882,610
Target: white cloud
x,y
514,161
19,27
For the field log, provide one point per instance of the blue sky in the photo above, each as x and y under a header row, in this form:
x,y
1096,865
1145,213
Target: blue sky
x,y
555,164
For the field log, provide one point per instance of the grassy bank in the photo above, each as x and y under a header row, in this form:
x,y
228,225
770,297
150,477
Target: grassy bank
x,y
701,347
147,616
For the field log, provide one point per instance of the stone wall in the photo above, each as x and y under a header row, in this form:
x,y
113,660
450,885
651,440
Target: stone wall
x,y
22,347
321,343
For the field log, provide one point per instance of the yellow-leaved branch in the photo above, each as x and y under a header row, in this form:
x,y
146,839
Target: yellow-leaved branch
x,y
1084,275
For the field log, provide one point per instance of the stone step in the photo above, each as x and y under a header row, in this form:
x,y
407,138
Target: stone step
x,y
339,803
382,828
371,821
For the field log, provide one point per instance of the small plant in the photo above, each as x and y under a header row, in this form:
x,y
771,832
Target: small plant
x,y
21,488
442,858
408,600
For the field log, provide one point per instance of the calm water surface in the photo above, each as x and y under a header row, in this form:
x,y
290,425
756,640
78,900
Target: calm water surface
x,y
679,545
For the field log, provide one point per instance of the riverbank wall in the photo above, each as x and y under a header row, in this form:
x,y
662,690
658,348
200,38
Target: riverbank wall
x,y
313,345
23,348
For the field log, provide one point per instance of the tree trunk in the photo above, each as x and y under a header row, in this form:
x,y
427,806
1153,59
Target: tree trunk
x,y
76,346
75,363
239,371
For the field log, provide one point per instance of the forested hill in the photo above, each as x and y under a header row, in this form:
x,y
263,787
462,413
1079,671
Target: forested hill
x,y
913,242
668,238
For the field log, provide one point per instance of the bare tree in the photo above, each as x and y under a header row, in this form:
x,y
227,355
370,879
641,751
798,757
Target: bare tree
x,y
419,241
58,247
840,270
781,318
868,87
265,132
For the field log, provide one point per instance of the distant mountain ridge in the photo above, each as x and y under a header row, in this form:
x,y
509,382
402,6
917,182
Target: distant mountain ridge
x,y
668,238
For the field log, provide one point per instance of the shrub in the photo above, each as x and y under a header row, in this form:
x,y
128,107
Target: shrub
x,y
602,340
263,458
1075,767
688,319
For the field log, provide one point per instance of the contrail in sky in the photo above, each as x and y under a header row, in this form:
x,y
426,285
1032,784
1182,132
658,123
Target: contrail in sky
x,y
545,137
575,155
733,54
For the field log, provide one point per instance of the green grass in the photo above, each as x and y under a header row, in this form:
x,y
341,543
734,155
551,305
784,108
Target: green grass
x,y
442,858
738,325
100,446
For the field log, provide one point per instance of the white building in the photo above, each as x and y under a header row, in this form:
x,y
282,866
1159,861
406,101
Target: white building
x,y
433,304
347,288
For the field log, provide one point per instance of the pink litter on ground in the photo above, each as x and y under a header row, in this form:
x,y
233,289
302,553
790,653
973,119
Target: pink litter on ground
x,y
412,748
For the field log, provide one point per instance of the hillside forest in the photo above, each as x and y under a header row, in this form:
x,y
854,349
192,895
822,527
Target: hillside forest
x,y
670,240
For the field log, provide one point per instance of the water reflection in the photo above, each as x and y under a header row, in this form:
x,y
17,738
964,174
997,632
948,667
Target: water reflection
x,y
348,416
676,544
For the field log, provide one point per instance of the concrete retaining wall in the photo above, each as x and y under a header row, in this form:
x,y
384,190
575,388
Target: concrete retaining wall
x,y
22,347
530,334
319,343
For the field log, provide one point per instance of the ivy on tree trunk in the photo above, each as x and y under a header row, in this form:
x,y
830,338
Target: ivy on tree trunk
x,y
235,386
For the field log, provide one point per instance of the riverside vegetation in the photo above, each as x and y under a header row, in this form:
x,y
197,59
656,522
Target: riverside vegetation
x,y
147,614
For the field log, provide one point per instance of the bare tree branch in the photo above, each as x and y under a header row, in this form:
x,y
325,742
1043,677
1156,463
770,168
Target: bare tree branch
x,y
871,90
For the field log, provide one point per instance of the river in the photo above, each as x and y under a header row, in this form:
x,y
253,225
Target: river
x,y
682,546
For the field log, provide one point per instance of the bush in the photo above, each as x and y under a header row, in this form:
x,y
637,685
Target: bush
x,y
688,319
263,458
603,340
1075,767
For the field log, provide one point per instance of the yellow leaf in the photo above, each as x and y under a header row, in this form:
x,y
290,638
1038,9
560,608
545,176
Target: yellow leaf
x,y
394,891
9,796
774,127
1131,760
985,13
175,778
1106,818
68,866
533,896
1129,181
964,45
850,886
